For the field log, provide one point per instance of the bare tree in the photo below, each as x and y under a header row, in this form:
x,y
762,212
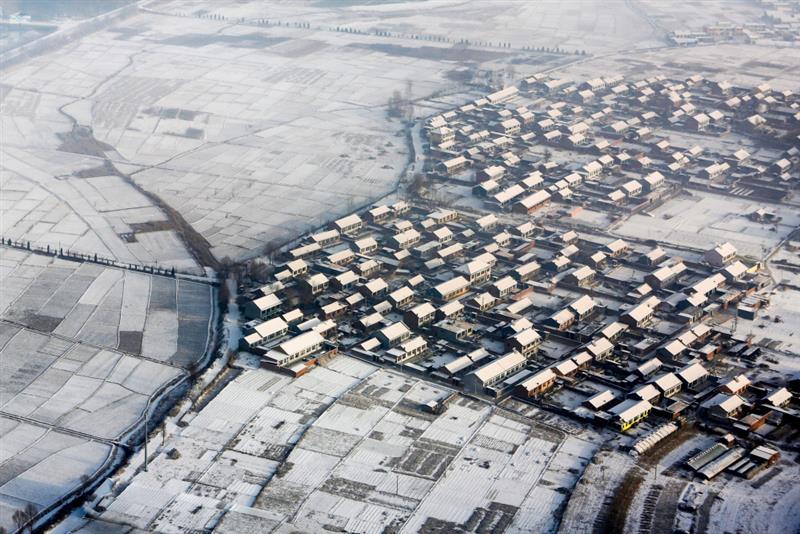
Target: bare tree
x,y
23,518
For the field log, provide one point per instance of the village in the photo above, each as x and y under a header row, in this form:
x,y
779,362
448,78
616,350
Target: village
x,y
522,294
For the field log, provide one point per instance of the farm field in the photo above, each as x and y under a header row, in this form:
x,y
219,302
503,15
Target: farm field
x,y
348,445
163,318
83,349
253,134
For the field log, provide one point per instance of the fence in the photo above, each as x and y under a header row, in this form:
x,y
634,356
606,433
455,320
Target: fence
x,y
59,252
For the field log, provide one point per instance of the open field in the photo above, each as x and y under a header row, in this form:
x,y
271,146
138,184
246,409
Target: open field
x,y
612,25
348,446
159,317
83,348
253,134
703,220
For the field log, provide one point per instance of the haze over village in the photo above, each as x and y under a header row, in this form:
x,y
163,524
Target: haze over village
x,y
399,266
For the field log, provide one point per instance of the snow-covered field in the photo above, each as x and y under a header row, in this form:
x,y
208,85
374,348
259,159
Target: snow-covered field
x,y
155,316
349,446
252,133
82,349
704,220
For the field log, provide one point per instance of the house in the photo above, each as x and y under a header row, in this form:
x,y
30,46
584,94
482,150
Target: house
x,y
323,239
629,412
735,386
778,398
583,306
266,332
672,350
616,248
368,323
693,375
315,284
532,202
598,400
410,350
379,213
420,315
295,348
668,384
639,315
347,225
333,310
263,307
561,320
401,298
653,181
297,267
476,271
526,271
721,255
367,245
455,331
582,276
600,349
394,334
491,373
368,268
342,257
451,289
612,331
451,310
374,289
406,239
526,342
503,287
452,166
734,271
651,366
483,301
722,406
535,386
566,368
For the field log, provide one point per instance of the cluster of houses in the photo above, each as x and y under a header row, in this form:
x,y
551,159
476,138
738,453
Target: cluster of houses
x,y
505,303
627,144
500,308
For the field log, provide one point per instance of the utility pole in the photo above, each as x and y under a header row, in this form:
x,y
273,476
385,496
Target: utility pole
x,y
146,432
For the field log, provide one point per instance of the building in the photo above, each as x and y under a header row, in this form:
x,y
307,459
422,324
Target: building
x,y
526,342
375,289
668,384
532,202
721,255
314,285
722,406
537,385
263,307
294,349
420,315
476,271
629,412
491,373
451,289
410,350
561,320
394,334
600,349
347,225
693,375
267,331
367,245
503,287
735,386
402,297
639,315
